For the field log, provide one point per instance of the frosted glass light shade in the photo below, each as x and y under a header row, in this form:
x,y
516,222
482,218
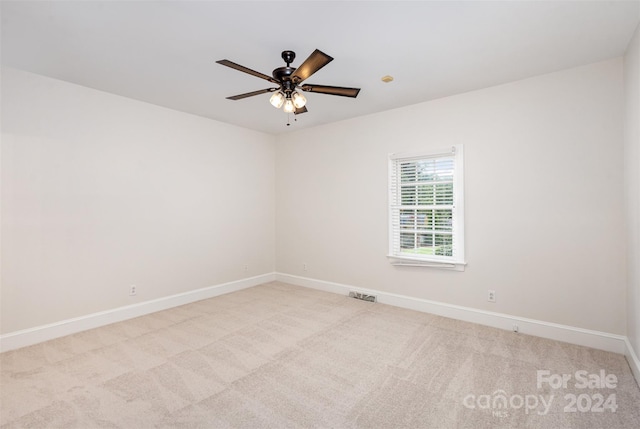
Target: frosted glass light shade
x,y
277,99
288,106
298,100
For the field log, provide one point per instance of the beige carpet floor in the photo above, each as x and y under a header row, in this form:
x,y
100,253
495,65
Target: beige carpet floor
x,y
281,356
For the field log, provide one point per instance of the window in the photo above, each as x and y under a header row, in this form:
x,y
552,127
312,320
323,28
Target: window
x,y
426,218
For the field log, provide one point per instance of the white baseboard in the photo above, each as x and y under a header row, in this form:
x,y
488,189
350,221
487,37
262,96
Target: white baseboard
x,y
584,337
632,359
26,337
569,334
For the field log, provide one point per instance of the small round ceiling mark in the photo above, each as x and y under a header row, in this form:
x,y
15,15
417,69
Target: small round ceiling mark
x,y
387,78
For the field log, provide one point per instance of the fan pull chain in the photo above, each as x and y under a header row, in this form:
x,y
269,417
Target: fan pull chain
x,y
289,119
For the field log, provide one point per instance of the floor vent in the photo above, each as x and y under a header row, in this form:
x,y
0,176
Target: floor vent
x,y
363,296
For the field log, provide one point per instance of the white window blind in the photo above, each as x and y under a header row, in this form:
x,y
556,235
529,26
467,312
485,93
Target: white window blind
x,y
426,208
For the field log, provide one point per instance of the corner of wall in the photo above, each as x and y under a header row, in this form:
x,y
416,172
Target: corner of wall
x,y
632,196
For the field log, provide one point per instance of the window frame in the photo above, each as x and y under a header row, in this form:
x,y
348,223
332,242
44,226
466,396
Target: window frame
x,y
457,260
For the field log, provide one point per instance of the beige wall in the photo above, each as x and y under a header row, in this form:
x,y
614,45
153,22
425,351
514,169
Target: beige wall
x,y
632,173
100,192
544,198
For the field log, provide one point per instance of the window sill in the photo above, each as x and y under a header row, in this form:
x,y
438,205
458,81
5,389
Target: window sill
x,y
414,262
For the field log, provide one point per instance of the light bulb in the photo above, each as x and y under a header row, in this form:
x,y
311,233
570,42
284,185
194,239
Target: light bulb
x,y
277,99
298,100
288,106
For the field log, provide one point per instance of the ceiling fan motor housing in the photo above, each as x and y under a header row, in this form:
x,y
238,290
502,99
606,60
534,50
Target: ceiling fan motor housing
x,y
283,74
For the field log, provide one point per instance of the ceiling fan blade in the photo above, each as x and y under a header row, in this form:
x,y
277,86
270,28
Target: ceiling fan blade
x,y
332,90
300,110
315,62
247,70
251,94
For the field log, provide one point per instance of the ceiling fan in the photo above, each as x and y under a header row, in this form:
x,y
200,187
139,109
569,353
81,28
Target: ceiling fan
x,y
289,80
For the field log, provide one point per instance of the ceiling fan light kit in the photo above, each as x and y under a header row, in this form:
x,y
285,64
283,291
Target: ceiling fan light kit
x,y
289,79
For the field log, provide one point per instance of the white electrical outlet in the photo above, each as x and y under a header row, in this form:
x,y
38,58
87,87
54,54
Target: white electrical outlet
x,y
304,267
132,290
491,295
245,267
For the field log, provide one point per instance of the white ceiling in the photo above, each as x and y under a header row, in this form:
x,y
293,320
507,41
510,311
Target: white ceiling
x,y
164,52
